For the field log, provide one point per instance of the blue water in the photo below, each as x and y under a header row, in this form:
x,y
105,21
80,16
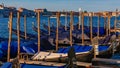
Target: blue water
x,y
43,19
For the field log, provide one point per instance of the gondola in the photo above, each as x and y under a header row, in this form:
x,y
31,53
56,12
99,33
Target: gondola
x,y
52,29
22,34
63,39
76,35
43,32
13,51
83,53
29,36
26,46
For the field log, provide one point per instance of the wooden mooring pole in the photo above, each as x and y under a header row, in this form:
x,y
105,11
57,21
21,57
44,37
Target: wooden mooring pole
x,y
49,24
82,23
109,16
95,45
79,20
66,21
115,22
71,21
58,21
91,32
10,35
25,29
38,24
105,22
106,26
98,26
18,33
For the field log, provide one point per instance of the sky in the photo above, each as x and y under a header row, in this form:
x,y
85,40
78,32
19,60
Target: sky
x,y
67,5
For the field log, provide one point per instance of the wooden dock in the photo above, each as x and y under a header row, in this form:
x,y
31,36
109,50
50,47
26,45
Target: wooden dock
x,y
84,64
105,63
42,63
115,30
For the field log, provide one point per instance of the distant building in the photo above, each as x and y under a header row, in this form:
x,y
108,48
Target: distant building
x,y
22,9
26,12
5,11
1,7
40,10
12,8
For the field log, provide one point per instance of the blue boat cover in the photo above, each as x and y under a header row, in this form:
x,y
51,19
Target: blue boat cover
x,y
6,65
1,54
77,48
80,48
4,47
103,48
28,50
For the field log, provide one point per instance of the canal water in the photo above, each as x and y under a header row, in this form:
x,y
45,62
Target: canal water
x,y
44,20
